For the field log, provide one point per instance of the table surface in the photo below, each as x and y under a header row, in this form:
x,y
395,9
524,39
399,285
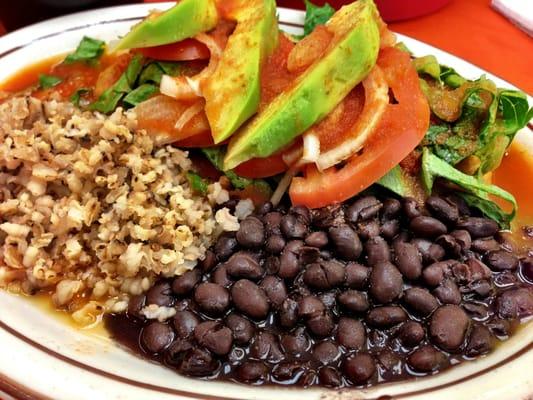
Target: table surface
x,y
470,29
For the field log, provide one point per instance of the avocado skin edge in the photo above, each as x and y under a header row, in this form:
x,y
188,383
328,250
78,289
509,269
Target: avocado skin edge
x,y
233,92
184,20
350,57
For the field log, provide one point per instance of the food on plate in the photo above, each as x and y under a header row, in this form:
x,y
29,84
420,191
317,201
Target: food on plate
x,y
262,207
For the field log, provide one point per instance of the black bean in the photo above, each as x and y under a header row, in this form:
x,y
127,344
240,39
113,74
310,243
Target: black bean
x,y
329,377
309,305
480,341
242,329
368,229
198,362
302,213
377,251
500,328
286,370
176,351
448,327
265,346
463,238
426,359
355,301
272,265
359,368
275,244
184,284
363,208
351,333
434,274
515,303
272,222
250,299
526,267
461,204
317,239
275,290
427,227
391,208
296,343
289,263
408,259
386,316
389,229
443,209
449,244
321,324
388,359
308,255
477,311
209,261
251,371
327,217
411,333
324,275
420,301
477,270
292,228
326,353
411,208
225,246
481,288
244,265
251,232
212,298
214,336
288,314
184,323
356,275
328,298
448,292
431,252
478,227
501,260
385,282
346,242
265,208
221,277
484,245
160,294
135,306
156,336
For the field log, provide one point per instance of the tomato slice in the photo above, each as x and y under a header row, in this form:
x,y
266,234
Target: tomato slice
x,y
185,50
262,167
401,129
203,139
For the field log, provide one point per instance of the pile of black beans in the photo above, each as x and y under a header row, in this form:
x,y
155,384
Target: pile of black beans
x,y
376,290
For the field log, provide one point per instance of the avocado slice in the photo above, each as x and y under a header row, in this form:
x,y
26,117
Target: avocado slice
x,y
349,57
186,19
232,93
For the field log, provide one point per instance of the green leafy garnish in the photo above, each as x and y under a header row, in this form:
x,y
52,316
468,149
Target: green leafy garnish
x,y
316,15
78,94
140,94
477,192
216,156
153,72
108,101
198,184
396,182
428,65
450,77
88,51
48,81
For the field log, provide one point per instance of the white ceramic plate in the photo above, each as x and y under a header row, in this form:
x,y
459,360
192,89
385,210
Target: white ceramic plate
x,y
41,357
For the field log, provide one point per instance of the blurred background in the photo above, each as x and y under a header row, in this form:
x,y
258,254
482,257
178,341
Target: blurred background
x,y
475,30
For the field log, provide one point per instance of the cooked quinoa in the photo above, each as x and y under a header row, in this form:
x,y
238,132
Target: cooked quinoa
x,y
93,212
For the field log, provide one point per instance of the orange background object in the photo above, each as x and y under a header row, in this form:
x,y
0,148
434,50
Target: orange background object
x,y
470,29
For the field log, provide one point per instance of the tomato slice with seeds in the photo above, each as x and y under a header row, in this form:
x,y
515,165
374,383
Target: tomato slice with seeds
x,y
401,129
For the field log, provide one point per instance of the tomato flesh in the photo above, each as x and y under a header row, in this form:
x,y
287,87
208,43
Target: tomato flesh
x,y
401,129
262,167
185,50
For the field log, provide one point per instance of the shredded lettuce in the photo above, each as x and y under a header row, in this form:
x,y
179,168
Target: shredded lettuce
x,y
140,94
78,95
198,184
316,15
108,101
88,51
395,181
48,81
153,72
476,192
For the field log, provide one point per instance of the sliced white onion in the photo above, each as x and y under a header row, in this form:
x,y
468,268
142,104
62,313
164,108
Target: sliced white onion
x,y
283,185
291,157
177,87
376,101
189,114
311,148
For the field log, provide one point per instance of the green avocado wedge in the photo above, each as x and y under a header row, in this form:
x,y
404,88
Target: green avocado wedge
x,y
349,57
186,19
232,93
